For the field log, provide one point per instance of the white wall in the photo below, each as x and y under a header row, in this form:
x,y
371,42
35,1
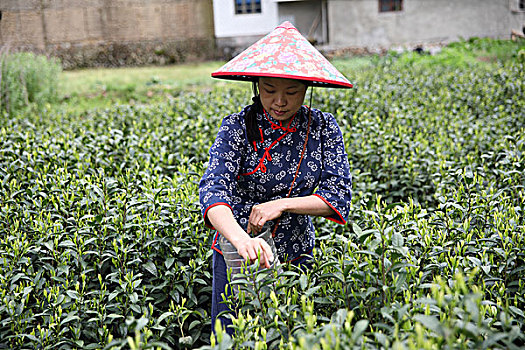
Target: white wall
x,y
229,24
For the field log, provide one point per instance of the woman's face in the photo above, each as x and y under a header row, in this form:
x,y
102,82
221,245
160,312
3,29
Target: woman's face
x,y
281,97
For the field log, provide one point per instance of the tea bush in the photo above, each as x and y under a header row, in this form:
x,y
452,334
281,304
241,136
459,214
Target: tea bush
x,y
471,53
27,79
102,244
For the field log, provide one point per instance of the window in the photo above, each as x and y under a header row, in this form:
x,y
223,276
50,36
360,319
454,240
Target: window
x,y
392,5
517,5
247,6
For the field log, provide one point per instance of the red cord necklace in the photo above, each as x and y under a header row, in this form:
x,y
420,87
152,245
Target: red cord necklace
x,y
267,156
298,165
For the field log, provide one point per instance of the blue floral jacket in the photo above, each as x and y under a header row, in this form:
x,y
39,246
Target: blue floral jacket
x,y
241,175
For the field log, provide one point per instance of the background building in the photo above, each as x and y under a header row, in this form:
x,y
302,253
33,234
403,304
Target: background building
x,y
132,32
109,32
369,23
393,22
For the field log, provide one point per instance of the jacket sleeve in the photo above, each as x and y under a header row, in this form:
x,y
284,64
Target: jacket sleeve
x,y
219,180
335,187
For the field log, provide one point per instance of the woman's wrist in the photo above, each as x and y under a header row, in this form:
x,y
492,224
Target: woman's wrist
x,y
238,238
285,204
222,219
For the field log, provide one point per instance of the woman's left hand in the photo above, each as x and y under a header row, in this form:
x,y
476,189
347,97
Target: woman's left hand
x,y
264,212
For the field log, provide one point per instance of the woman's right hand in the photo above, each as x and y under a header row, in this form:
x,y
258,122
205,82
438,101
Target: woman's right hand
x,y
251,248
221,217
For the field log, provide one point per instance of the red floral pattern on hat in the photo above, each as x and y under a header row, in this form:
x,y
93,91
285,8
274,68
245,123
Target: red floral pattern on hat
x,y
284,53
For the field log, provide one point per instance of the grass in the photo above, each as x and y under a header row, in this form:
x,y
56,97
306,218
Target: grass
x,y
87,89
94,88
354,65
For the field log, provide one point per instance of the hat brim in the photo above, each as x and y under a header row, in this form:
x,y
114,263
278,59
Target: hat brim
x,y
242,76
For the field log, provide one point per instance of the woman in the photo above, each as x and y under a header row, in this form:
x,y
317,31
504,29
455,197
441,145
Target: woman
x,y
276,161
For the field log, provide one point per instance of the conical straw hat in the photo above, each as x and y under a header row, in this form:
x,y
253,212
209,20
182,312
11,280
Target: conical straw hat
x,y
284,53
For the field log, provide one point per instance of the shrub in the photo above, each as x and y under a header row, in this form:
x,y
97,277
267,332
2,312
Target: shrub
x,y
27,80
102,244
474,53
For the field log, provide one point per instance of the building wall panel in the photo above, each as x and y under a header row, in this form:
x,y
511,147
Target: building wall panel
x,y
359,23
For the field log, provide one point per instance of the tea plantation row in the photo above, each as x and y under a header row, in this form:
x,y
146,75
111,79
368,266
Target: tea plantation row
x,y
102,244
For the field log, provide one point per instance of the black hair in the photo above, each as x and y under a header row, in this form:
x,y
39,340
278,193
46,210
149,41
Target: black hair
x,y
250,118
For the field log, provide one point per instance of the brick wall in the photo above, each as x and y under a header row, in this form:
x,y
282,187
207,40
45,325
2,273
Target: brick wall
x,y
109,32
